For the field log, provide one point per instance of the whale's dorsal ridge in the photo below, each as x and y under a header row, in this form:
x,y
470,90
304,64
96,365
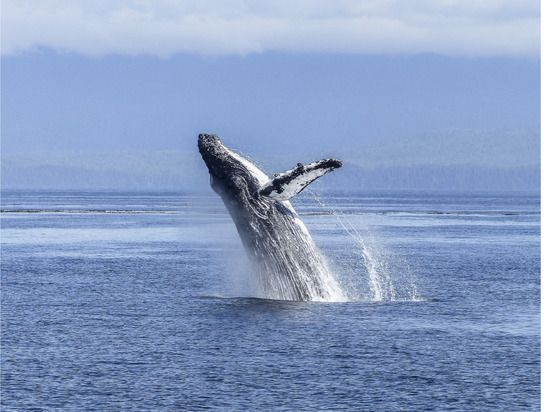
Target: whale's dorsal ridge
x,y
285,186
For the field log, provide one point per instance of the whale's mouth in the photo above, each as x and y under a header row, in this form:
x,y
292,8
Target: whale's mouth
x,y
209,145
207,140
214,154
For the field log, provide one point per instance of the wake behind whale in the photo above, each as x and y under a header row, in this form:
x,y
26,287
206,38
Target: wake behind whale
x,y
286,261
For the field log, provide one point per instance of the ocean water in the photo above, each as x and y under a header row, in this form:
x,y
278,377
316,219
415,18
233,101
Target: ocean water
x,y
144,301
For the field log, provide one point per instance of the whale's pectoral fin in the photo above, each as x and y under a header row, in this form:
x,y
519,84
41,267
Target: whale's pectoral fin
x,y
286,185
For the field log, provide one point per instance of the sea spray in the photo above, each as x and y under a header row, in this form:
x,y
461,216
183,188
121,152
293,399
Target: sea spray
x,y
389,277
370,271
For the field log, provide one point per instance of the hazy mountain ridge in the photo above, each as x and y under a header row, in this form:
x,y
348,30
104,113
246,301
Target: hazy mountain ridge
x,y
497,148
118,170
452,159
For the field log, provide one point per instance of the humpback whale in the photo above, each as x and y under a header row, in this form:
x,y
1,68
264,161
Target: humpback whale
x,y
284,257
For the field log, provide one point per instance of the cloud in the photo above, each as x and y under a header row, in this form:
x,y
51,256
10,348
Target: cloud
x,y
223,27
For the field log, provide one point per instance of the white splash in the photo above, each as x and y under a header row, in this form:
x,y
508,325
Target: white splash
x,y
376,274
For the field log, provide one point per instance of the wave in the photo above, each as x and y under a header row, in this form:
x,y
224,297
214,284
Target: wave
x,y
434,213
94,211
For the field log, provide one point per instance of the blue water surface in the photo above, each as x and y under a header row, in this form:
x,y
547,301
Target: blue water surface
x,y
144,301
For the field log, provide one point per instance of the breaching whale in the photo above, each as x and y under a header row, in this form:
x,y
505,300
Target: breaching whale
x,y
283,255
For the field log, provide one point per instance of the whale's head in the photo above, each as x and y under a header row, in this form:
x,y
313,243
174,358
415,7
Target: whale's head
x,y
230,173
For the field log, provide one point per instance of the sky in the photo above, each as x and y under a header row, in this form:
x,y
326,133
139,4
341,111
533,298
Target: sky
x,y
268,76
